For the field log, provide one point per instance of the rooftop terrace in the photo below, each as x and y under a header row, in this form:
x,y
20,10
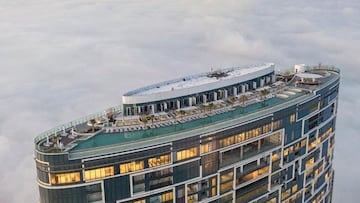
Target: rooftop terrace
x,y
98,131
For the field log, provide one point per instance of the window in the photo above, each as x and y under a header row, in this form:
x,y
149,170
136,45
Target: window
x,y
292,118
159,160
227,141
266,128
99,173
192,188
139,188
161,178
273,200
64,178
213,182
294,188
303,143
275,157
240,137
310,162
253,175
186,153
313,144
277,124
192,198
139,201
131,166
224,187
285,194
207,147
226,180
139,183
167,196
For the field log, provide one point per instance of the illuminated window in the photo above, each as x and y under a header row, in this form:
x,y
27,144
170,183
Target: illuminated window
x,y
309,162
285,194
326,134
253,175
160,160
308,172
327,176
166,196
273,200
192,198
224,187
213,182
131,166
240,137
294,188
277,124
286,151
256,132
140,201
275,157
227,176
213,191
207,147
227,141
99,173
191,188
266,128
313,144
186,153
64,178
292,118
213,186
303,143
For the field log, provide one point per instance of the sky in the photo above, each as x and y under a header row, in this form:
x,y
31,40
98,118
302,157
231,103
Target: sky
x,y
61,60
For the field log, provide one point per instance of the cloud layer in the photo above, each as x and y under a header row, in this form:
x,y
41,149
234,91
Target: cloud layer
x,y
61,60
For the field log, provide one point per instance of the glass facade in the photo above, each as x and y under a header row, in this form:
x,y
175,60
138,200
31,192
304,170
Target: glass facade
x,y
283,156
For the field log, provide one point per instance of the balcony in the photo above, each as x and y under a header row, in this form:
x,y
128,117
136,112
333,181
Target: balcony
x,y
252,191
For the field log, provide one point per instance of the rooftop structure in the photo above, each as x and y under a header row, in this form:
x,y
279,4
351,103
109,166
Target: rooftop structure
x,y
231,75
165,120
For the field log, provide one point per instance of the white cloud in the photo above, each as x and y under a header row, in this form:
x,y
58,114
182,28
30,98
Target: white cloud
x,y
63,59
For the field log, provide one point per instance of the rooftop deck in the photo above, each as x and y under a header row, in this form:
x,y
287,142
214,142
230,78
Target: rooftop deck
x,y
81,135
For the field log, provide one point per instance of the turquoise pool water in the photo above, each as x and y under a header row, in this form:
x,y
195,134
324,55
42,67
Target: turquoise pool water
x,y
103,139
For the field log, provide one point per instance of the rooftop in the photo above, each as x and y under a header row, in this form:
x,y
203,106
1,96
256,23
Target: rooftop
x,y
199,79
95,131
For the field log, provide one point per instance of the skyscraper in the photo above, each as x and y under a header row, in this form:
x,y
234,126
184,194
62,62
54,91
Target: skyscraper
x,y
231,135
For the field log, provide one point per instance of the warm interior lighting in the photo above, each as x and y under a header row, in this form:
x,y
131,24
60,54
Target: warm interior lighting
x,y
309,162
131,166
167,196
186,153
99,173
64,178
160,160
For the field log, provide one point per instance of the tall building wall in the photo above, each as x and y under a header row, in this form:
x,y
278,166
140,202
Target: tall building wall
x,y
284,155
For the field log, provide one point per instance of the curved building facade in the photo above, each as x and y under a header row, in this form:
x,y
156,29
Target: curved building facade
x,y
232,135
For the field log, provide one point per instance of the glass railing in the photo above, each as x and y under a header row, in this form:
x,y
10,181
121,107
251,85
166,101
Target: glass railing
x,y
72,124
323,67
